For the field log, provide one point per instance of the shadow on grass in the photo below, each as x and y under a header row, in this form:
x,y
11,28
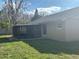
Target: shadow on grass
x,y
49,46
54,47
6,40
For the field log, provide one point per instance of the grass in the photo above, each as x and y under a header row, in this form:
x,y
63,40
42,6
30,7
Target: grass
x,y
38,49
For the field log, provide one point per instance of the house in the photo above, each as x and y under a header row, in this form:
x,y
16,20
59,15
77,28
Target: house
x,y
62,26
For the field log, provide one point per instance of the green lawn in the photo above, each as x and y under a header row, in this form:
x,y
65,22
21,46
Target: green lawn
x,y
38,49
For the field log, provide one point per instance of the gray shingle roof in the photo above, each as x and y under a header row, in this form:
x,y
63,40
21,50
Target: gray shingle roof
x,y
64,15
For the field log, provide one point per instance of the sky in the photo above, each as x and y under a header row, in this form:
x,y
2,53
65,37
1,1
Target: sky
x,y
64,4
56,5
51,4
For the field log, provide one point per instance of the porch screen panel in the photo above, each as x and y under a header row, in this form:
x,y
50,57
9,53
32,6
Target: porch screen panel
x,y
34,31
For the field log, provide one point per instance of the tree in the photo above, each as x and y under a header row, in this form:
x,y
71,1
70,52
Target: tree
x,y
36,15
13,8
10,12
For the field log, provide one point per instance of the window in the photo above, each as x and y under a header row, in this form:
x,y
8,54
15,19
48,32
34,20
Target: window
x,y
44,28
60,25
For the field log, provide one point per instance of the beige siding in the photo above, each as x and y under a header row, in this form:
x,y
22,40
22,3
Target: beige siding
x,y
54,32
72,29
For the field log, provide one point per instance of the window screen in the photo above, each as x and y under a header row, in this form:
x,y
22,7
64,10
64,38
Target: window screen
x,y
23,30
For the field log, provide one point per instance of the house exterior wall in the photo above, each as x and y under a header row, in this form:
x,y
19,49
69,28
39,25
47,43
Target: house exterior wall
x,y
59,30
56,30
72,29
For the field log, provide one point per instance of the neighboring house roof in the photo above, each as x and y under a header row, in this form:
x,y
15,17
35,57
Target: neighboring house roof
x,y
64,15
